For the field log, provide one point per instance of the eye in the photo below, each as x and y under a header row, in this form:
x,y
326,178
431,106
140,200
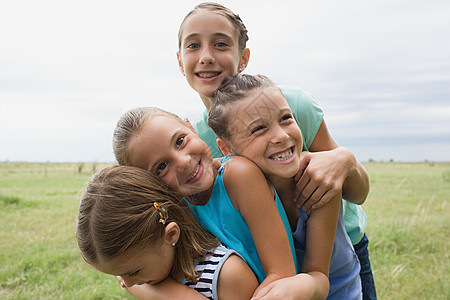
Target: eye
x,y
180,141
134,273
193,46
221,44
286,117
258,128
161,168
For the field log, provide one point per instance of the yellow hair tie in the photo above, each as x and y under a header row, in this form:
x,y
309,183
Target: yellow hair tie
x,y
163,215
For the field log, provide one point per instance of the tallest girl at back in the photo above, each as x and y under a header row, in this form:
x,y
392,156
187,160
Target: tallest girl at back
x,y
212,46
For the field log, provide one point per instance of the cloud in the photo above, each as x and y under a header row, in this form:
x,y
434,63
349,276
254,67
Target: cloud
x,y
69,69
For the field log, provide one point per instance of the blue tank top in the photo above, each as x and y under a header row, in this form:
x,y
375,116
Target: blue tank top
x,y
345,282
222,219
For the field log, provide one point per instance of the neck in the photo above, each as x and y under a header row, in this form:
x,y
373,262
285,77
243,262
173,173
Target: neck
x,y
285,188
201,198
206,101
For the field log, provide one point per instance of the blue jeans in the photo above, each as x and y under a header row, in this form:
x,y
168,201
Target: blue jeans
x,y
368,284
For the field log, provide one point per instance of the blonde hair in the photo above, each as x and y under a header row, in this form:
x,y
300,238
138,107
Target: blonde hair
x,y
129,126
117,213
226,12
232,90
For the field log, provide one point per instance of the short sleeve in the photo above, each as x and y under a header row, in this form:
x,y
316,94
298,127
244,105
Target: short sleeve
x,y
307,112
207,134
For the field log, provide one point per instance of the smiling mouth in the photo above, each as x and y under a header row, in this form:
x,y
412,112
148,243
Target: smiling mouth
x,y
282,156
195,173
208,75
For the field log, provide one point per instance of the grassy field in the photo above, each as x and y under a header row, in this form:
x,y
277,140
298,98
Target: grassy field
x,y
408,227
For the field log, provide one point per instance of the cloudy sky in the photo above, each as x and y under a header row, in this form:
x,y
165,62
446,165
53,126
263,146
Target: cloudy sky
x,y
69,69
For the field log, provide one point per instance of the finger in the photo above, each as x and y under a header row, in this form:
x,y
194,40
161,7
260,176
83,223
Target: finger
x,y
304,162
300,186
322,202
262,292
314,198
307,192
325,199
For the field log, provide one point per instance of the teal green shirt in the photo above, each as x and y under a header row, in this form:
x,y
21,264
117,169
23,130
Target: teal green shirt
x,y
309,116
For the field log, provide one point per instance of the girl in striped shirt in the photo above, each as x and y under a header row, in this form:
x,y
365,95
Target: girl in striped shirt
x,y
132,226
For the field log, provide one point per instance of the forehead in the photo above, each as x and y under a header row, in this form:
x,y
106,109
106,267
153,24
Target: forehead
x,y
159,125
163,120
261,103
204,22
119,265
154,137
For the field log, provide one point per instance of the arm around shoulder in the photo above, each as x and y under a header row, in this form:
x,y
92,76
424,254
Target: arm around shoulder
x,y
343,165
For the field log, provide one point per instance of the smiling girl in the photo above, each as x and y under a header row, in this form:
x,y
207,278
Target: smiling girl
x,y
252,118
131,225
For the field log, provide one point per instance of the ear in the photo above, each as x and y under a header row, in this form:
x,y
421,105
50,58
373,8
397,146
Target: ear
x,y
245,57
180,63
225,147
171,233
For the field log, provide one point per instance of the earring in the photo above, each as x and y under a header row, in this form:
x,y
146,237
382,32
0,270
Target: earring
x,y
173,244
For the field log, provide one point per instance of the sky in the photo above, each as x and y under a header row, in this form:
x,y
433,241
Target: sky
x,y
69,69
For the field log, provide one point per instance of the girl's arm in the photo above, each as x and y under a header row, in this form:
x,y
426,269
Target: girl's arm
x,y
313,285
327,171
313,282
252,195
236,280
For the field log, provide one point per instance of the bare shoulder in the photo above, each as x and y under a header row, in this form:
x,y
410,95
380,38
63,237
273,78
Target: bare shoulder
x,y
241,166
236,279
239,163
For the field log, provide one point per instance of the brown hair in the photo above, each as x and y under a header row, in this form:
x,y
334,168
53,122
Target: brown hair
x,y
232,89
129,126
117,214
226,12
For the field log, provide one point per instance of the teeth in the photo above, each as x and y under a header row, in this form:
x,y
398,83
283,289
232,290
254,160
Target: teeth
x,y
207,75
282,156
196,172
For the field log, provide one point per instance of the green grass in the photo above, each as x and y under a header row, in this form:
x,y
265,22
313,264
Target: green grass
x,y
39,257
408,213
408,228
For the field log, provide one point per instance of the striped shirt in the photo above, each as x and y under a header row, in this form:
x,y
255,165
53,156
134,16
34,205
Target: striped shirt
x,y
209,270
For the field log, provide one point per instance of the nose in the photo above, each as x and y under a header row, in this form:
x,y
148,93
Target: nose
x,y
183,161
129,282
279,135
206,56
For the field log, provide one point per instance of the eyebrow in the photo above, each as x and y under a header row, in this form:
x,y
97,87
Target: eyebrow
x,y
217,34
253,123
260,119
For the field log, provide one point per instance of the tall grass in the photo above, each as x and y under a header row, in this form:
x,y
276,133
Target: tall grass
x,y
408,228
